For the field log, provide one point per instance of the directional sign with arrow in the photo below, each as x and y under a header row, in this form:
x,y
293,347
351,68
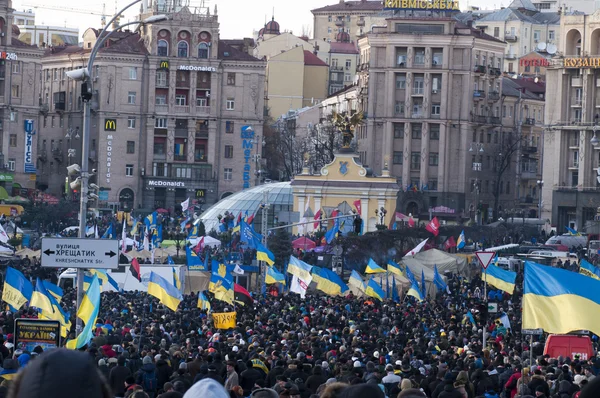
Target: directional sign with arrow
x,y
80,253
485,258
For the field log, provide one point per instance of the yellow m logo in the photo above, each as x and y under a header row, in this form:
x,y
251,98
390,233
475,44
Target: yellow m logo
x,y
164,65
110,124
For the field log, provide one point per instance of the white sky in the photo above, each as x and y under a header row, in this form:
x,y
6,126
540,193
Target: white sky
x,y
238,18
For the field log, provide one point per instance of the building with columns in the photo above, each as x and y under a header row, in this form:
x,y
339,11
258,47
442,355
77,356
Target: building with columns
x,y
177,113
431,101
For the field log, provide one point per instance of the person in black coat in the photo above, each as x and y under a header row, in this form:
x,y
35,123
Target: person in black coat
x,y
315,380
211,374
276,371
248,378
117,377
163,373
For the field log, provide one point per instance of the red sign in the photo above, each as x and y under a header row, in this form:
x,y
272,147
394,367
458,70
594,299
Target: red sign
x,y
433,226
535,62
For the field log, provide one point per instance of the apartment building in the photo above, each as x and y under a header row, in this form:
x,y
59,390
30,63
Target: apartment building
x,y
343,55
176,113
430,88
355,17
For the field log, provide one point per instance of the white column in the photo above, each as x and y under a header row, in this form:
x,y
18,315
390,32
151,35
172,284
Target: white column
x,y
364,208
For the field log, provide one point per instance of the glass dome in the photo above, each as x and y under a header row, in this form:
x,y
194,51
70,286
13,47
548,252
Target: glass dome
x,y
280,198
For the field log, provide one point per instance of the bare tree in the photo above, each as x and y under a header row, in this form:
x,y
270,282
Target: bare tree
x,y
506,158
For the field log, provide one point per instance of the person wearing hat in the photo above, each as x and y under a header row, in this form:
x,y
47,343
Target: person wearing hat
x,y
315,380
9,370
146,377
276,371
232,379
390,380
117,376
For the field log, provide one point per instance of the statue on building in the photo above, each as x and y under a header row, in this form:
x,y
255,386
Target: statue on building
x,y
346,124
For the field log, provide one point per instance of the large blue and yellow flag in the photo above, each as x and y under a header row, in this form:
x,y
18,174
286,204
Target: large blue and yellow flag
x,y
438,281
571,231
374,290
160,288
41,298
203,302
299,268
264,254
394,268
274,276
357,281
411,276
559,301
330,283
54,290
461,241
87,282
414,290
88,313
151,220
587,269
58,314
501,279
221,283
176,281
373,268
17,289
194,262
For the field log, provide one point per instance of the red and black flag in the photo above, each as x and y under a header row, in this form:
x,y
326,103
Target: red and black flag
x,y
135,269
241,295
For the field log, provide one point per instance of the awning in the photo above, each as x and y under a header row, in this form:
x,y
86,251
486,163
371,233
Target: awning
x,y
3,194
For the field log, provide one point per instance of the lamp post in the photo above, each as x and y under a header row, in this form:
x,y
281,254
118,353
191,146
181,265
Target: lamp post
x,y
83,75
540,184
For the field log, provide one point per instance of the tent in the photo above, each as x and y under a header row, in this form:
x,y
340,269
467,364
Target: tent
x,y
445,262
304,243
208,241
28,252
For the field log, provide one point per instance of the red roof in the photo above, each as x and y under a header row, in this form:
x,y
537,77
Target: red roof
x,y
361,5
312,59
343,48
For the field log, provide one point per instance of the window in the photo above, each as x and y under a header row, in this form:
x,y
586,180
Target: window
x,y
398,130
536,35
160,122
416,131
329,30
130,146
230,104
45,121
434,158
163,48
433,185
16,67
131,122
159,146
435,110
181,99
231,79
397,157
161,100
415,161
61,121
399,108
201,101
131,97
13,140
348,64
526,32
228,174
129,170
551,35
55,73
229,127
15,91
508,188
132,73
182,49
52,122
401,81
228,151
434,131
161,78
496,32
203,51
329,18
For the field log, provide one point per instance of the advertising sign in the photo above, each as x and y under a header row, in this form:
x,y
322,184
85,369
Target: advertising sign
x,y
224,320
30,333
430,5
247,145
29,166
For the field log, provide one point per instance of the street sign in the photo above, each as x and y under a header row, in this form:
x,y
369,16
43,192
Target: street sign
x,y
492,307
80,253
533,332
485,258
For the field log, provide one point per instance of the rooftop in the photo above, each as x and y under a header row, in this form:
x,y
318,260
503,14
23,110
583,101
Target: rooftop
x,y
360,5
343,48
230,53
120,43
512,14
522,88
312,60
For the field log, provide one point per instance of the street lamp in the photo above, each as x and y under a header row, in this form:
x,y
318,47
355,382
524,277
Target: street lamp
x,y
540,184
83,75
595,141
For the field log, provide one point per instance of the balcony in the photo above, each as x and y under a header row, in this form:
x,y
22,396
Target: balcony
x,y
526,199
576,101
478,94
182,84
161,108
417,115
181,109
336,68
202,133
510,57
162,83
529,121
574,165
529,175
510,37
495,120
180,158
493,96
530,149
479,119
57,154
418,91
495,71
203,109
160,156
480,69
339,22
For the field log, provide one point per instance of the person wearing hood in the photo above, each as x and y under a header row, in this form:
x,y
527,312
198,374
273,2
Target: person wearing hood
x,y
147,378
537,380
315,380
206,388
117,377
163,372
103,368
564,390
448,380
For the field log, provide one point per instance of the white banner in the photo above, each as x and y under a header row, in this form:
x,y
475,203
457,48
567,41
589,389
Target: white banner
x,y
300,286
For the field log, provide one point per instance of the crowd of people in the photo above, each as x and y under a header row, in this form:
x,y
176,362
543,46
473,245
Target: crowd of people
x,y
286,346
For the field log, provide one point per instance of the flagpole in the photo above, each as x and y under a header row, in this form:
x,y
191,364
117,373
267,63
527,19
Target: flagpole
x,y
484,334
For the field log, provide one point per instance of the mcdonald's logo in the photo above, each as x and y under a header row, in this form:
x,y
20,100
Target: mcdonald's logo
x,y
164,65
110,124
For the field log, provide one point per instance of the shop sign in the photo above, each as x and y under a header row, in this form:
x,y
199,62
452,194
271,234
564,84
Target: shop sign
x,y
29,166
164,64
200,193
535,62
30,333
247,145
9,56
166,184
584,62
109,139
110,124
198,68
434,5
5,177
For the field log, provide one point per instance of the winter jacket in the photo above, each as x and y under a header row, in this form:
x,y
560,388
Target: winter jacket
x,y
537,381
511,384
147,368
163,373
116,379
450,392
248,378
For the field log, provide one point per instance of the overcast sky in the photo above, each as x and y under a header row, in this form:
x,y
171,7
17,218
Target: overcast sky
x,y
238,18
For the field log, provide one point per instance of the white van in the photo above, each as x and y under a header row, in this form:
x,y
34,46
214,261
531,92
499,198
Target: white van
x,y
571,241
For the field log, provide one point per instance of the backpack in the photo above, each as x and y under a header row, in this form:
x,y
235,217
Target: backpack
x,y
149,381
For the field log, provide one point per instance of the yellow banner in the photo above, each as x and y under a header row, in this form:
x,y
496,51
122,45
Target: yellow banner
x,y
224,320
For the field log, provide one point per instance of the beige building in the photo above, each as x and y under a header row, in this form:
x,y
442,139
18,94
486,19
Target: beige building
x,y
353,17
524,28
296,78
570,193
276,44
429,104
343,55
177,113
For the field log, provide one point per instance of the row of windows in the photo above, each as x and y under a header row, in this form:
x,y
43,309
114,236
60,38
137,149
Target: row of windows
x,y
415,159
417,131
131,72
486,187
163,122
183,49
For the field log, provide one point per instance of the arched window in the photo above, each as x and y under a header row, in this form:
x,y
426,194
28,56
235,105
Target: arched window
x,y
203,51
182,49
163,48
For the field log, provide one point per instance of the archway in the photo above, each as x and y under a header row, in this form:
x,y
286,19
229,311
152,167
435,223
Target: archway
x,y
412,208
573,43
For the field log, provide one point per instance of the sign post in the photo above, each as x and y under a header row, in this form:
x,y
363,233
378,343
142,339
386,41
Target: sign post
x,y
80,253
485,258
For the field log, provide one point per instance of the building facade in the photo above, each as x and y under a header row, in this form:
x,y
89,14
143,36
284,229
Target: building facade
x,y
343,55
355,17
42,35
570,192
176,113
429,102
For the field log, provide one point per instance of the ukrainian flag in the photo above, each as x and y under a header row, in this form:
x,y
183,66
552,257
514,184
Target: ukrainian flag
x,y
411,276
221,283
588,269
330,283
316,274
58,315
87,282
176,281
203,302
501,279
357,281
394,268
54,290
160,288
101,274
299,268
151,220
193,261
41,298
559,301
414,290
274,276
373,268
88,313
572,232
263,254
374,290
461,241
17,289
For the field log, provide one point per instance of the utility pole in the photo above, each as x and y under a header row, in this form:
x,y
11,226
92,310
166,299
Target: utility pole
x,y
264,230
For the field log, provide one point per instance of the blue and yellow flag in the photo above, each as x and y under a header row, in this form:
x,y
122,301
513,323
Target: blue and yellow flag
x,y
587,269
331,234
58,315
461,241
203,302
394,268
572,231
414,290
193,261
87,281
559,301
373,268
438,281
501,279
88,313
357,281
151,220
274,276
160,288
330,283
263,254
176,281
221,283
299,268
374,290
411,276
54,290
101,274
17,289
41,298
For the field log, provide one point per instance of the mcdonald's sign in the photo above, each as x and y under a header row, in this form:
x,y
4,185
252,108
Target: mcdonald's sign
x,y
164,64
110,124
